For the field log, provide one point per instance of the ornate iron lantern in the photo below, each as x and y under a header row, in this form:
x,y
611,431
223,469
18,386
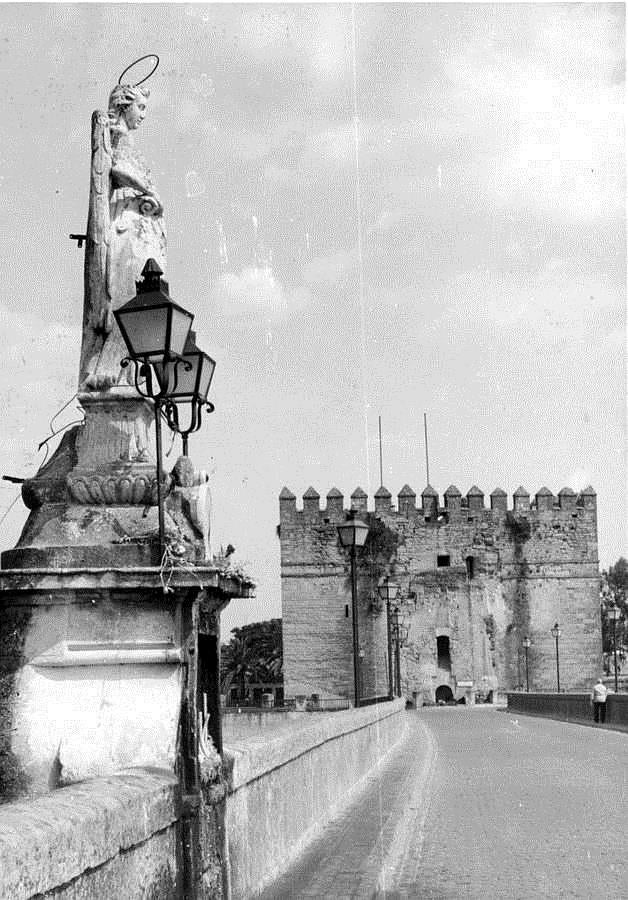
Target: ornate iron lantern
x,y
155,331
186,389
154,328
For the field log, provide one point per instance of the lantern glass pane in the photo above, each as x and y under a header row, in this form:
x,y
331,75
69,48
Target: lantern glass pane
x,y
345,533
144,330
388,590
174,379
207,371
361,533
353,533
181,324
186,381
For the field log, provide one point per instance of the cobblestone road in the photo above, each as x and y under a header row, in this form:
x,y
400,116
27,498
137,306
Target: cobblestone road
x,y
480,804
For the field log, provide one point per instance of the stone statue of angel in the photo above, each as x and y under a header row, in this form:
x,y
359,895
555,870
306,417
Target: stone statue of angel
x,y
125,228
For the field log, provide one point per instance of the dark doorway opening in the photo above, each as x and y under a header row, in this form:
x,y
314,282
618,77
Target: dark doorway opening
x,y
444,694
442,649
208,685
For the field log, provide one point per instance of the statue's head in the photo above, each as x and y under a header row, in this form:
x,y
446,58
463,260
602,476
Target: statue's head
x,y
127,103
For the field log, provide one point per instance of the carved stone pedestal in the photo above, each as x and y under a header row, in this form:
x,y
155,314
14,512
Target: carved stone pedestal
x,y
99,668
108,641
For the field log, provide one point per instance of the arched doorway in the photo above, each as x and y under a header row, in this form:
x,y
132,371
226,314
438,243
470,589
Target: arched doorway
x,y
444,694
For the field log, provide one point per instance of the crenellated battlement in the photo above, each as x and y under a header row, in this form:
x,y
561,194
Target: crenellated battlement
x,y
454,503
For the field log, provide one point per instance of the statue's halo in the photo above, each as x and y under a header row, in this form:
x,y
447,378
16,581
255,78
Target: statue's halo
x,y
148,56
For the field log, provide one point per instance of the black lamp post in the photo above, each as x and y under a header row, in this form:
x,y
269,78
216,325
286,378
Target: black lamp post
x,y
396,627
388,591
155,331
555,632
353,534
187,389
613,613
527,643
400,633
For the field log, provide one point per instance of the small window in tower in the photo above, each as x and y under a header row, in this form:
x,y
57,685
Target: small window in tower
x,y
442,560
442,650
470,567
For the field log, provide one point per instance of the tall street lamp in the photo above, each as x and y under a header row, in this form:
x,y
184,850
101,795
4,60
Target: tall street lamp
x,y
518,670
155,331
400,633
613,613
353,534
527,643
388,591
555,632
396,627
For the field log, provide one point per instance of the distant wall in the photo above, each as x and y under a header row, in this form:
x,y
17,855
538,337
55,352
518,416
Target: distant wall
x,y
285,788
570,707
236,725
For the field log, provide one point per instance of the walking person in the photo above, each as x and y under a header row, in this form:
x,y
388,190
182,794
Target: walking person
x,y
600,692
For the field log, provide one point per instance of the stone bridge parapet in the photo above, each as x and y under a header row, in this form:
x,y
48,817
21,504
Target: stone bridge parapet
x,y
284,788
120,835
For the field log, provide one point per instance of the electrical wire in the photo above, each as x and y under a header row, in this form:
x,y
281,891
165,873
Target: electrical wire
x,y
10,507
54,433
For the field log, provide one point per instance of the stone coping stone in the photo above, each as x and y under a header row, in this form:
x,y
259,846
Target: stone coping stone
x,y
102,578
46,842
253,757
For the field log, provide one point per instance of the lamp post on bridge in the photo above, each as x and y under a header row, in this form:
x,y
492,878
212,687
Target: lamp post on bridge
x,y
169,368
388,591
555,632
155,331
613,613
526,646
400,634
353,534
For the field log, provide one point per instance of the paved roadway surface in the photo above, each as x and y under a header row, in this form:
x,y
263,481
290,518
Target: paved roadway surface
x,y
479,804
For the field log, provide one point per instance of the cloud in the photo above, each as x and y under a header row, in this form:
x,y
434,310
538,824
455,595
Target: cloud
x,y
332,145
330,49
329,270
256,290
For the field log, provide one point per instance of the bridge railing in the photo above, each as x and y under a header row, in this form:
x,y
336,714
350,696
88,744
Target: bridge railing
x,y
569,707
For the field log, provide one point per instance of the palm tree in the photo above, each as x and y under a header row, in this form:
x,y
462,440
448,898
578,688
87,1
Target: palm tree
x,y
254,653
235,663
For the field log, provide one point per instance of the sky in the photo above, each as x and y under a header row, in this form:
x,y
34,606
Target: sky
x,y
374,210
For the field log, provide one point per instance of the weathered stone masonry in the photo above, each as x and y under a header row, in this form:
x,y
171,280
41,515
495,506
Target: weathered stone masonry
x,y
480,579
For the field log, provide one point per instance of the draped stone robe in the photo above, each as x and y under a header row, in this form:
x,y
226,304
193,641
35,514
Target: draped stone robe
x,y
124,229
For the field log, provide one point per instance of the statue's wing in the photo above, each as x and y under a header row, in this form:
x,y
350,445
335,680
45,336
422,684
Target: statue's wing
x,y
98,223
97,315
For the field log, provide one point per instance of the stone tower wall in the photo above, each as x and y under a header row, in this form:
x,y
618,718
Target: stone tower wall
x,y
316,609
482,578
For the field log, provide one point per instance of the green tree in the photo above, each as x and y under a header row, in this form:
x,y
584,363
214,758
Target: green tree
x,y
254,654
614,592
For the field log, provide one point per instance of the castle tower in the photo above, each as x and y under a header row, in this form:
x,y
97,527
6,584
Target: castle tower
x,y
474,582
